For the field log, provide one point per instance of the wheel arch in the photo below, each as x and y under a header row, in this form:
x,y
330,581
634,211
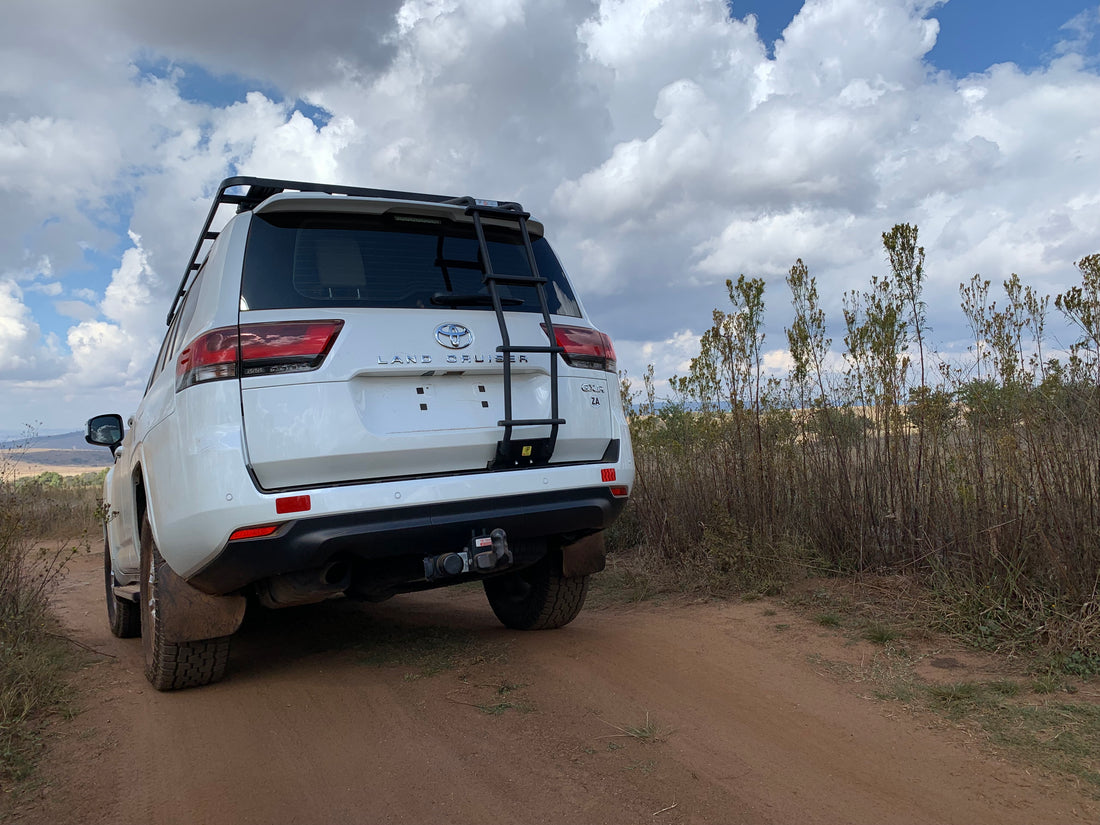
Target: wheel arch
x,y
141,502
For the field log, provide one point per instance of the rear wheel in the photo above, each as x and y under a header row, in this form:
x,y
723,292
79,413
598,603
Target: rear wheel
x,y
172,665
538,597
123,615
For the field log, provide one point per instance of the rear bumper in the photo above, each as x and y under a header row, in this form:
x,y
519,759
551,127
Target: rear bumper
x,y
411,531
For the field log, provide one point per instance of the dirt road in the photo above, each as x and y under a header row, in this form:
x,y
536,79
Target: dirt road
x,y
424,710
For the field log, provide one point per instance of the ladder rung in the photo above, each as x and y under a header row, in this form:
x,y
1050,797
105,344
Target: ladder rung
x,y
507,456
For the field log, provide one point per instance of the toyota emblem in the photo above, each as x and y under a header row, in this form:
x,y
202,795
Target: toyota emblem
x,y
454,336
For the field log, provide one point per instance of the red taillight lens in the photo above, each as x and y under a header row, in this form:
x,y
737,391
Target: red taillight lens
x,y
584,347
210,357
259,349
295,346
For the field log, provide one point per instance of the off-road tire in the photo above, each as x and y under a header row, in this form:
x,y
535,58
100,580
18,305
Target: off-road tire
x,y
537,597
123,615
173,665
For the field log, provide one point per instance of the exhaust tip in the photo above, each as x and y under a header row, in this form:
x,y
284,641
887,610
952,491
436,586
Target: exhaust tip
x,y
337,573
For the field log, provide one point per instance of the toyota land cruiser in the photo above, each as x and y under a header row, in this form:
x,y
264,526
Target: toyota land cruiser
x,y
360,392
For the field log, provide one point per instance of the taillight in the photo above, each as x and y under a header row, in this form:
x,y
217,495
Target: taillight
x,y
256,349
584,347
210,357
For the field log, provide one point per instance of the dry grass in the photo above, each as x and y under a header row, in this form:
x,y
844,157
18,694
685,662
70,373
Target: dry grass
x,y
65,463
1024,705
41,525
648,731
981,484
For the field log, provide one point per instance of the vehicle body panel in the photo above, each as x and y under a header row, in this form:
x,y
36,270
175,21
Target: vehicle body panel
x,y
392,423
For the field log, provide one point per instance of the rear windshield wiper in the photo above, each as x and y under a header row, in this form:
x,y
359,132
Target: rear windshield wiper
x,y
446,299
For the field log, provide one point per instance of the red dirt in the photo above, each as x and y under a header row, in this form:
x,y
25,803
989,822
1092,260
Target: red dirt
x,y
318,722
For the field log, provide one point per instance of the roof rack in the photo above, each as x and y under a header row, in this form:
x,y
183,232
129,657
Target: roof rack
x,y
260,189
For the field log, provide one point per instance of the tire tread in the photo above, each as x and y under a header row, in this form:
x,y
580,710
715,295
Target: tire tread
x,y
549,600
175,665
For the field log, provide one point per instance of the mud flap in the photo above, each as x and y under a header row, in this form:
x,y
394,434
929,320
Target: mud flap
x,y
189,615
583,557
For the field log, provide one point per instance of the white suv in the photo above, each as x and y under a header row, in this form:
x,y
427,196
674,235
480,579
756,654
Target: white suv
x,y
360,392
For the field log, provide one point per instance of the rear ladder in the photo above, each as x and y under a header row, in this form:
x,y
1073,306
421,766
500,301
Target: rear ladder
x,y
525,452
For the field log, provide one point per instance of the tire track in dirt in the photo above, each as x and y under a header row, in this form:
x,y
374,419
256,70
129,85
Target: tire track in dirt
x,y
339,713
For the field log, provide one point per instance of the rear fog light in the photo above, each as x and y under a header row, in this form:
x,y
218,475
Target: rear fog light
x,y
253,532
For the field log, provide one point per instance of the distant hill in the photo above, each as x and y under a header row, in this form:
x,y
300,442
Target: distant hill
x,y
75,459
67,454
65,441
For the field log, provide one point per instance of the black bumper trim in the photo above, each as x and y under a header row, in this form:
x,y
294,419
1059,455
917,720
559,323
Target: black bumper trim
x,y
405,531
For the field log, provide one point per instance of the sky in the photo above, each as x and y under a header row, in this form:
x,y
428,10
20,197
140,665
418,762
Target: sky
x,y
666,144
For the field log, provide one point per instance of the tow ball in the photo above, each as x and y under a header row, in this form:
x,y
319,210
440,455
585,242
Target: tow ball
x,y
483,554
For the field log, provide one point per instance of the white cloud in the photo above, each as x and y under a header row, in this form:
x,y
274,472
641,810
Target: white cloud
x,y
269,141
664,149
104,354
830,43
1080,31
761,244
669,357
24,352
119,351
128,298
53,288
297,47
77,310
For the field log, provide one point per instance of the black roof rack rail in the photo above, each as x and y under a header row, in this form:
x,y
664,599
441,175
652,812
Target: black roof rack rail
x,y
260,189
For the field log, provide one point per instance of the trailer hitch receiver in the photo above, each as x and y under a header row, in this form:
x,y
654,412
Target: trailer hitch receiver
x,y
483,554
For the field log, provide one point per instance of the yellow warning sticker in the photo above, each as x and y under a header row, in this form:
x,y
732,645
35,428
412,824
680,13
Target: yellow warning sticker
x,y
526,451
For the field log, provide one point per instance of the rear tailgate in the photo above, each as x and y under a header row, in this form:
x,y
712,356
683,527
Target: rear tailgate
x,y
393,398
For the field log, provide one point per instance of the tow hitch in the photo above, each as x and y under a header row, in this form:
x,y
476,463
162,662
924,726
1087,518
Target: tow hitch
x,y
484,554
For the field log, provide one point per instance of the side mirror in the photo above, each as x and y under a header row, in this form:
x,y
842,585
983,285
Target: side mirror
x,y
104,431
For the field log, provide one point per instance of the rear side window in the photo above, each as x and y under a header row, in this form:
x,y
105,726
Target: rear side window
x,y
323,260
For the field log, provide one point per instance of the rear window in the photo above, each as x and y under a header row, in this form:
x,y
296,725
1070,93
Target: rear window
x,y
310,259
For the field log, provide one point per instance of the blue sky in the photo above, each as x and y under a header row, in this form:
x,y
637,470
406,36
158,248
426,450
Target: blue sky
x,y
974,34
666,147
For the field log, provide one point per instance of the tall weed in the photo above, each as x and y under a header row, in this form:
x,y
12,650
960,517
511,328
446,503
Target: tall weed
x,y
37,523
981,480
